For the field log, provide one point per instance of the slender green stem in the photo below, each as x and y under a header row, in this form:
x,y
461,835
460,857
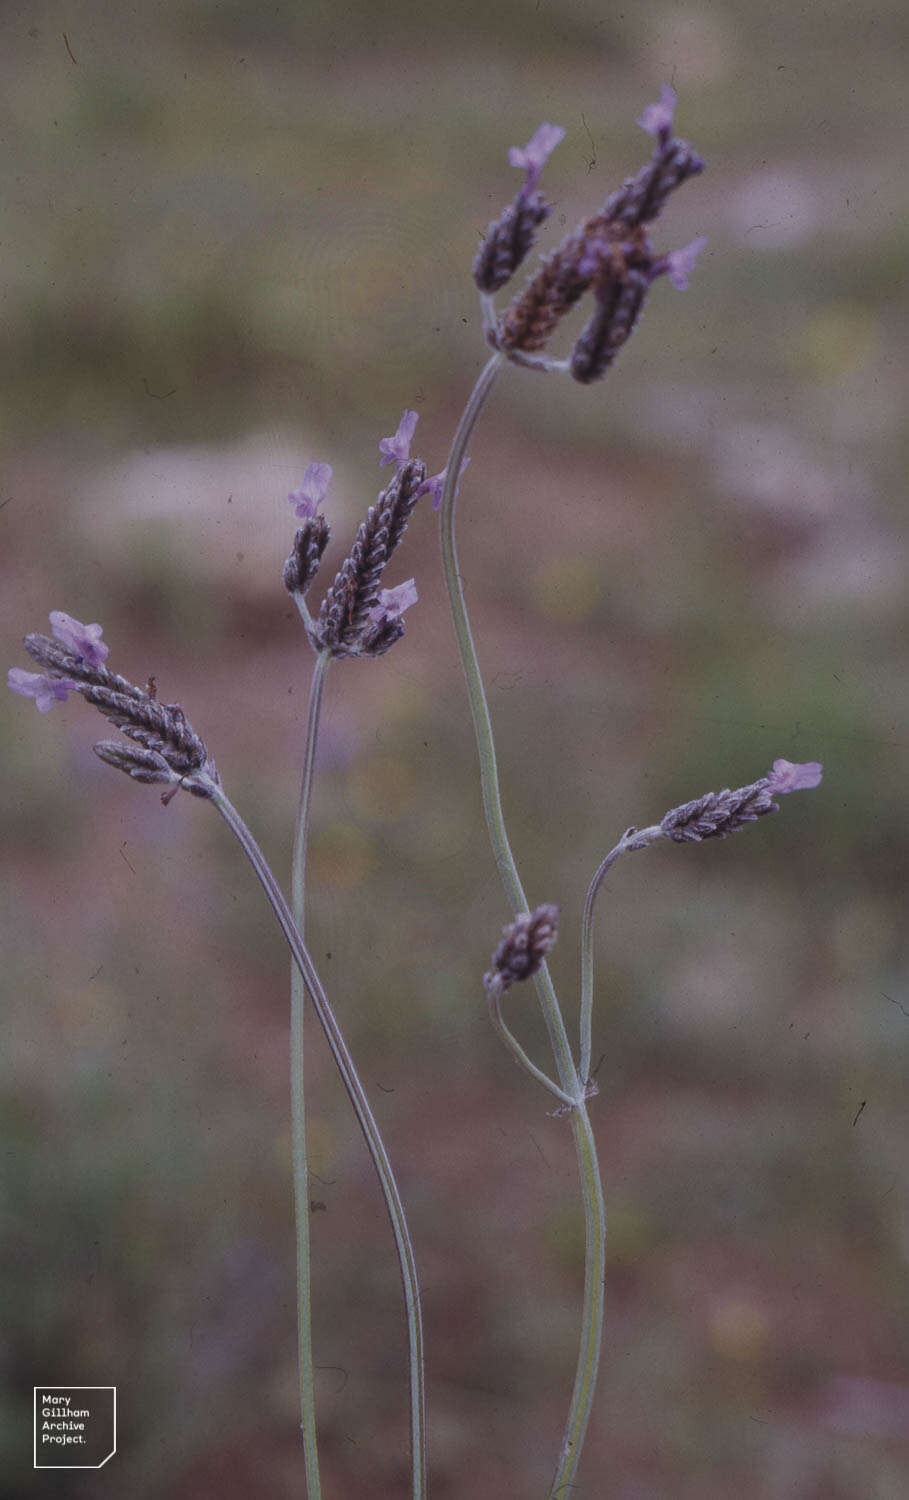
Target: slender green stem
x,y
367,1123
511,1041
303,609
301,834
573,1086
488,773
298,1103
585,1379
634,838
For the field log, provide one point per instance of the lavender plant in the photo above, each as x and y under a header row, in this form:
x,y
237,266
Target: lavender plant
x,y
611,257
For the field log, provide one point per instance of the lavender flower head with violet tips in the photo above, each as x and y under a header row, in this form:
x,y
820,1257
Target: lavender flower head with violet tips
x,y
611,255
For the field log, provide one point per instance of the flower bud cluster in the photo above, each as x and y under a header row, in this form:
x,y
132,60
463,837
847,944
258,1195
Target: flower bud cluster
x,y
524,946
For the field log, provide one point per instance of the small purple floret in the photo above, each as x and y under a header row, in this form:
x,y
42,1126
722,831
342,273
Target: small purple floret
x,y
308,498
392,603
436,484
45,690
532,157
396,450
81,640
656,119
787,776
680,263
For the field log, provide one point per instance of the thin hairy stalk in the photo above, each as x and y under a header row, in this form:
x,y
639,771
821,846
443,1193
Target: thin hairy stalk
x,y
573,1086
366,1120
298,1098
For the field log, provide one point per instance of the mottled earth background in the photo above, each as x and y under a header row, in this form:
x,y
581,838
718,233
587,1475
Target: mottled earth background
x,y
235,237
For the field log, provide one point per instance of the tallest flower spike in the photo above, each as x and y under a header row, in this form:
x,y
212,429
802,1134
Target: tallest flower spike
x,y
611,255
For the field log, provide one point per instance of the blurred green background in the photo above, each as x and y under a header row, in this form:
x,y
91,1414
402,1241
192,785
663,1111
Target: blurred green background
x,y
236,237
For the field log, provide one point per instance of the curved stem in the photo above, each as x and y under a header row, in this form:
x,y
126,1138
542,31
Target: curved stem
x,y
633,838
365,1118
573,1086
511,1041
298,1102
488,773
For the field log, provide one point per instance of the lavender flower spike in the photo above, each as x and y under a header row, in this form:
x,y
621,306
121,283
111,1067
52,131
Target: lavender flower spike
x,y
656,119
309,497
789,777
533,156
81,640
720,813
509,237
396,450
45,690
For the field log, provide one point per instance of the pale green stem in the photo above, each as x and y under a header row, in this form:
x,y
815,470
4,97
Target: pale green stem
x,y
367,1123
511,1041
298,1103
573,1086
303,608
634,838
301,834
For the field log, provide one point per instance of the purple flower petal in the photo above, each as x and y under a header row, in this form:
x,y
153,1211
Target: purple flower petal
x,y
680,263
81,640
788,776
533,156
435,485
308,498
45,690
392,603
656,119
396,450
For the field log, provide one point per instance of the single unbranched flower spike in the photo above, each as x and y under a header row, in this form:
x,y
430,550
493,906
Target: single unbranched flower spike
x,y
720,813
311,540
81,640
509,237
396,450
524,946
303,563
533,156
307,500
45,690
345,626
